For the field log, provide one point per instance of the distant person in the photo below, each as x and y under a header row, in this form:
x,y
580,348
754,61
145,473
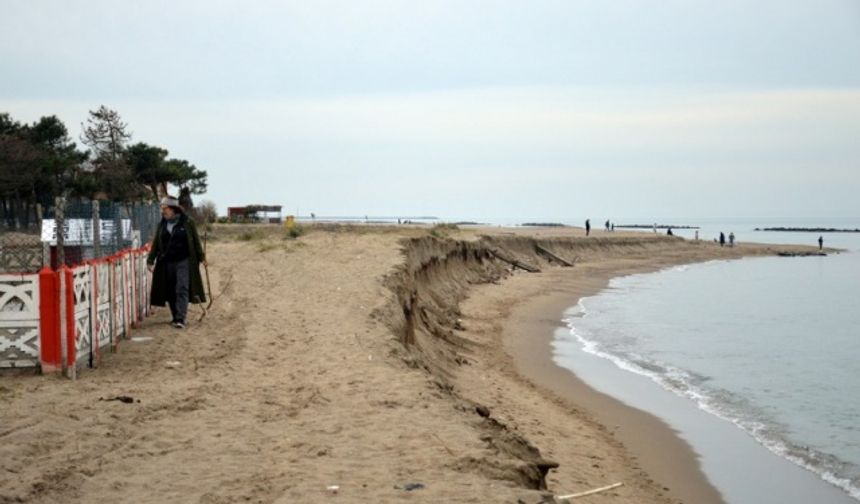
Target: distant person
x,y
587,226
732,239
607,224
722,239
697,235
820,242
174,260
655,228
669,232
613,227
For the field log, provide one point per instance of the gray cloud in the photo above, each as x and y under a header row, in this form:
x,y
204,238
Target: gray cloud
x,y
468,109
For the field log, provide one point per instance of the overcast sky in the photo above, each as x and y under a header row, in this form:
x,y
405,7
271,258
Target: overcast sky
x,y
468,109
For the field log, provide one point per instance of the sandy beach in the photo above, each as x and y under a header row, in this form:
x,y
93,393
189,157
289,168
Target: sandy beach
x,y
359,364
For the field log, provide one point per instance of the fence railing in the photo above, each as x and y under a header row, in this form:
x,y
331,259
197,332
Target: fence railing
x,y
65,319
19,320
73,286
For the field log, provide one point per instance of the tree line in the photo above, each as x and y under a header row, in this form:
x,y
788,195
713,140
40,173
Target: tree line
x,y
40,161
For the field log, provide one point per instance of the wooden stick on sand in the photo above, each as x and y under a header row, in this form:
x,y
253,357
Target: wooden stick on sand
x,y
514,262
208,282
590,492
549,254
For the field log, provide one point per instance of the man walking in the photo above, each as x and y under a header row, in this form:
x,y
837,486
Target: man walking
x,y
174,260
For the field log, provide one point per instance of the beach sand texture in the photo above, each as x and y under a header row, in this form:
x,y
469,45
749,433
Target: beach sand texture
x,y
347,365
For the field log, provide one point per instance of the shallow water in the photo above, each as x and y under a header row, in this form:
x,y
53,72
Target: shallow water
x,y
771,346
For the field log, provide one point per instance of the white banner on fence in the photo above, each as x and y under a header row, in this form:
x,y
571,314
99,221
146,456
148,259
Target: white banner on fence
x,y
80,231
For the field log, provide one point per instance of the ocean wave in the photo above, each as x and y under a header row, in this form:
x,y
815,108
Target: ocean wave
x,y
722,404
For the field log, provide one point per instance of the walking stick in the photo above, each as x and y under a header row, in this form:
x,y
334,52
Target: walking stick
x,y
206,269
208,282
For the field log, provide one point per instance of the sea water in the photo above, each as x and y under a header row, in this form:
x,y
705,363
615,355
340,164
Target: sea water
x,y
768,348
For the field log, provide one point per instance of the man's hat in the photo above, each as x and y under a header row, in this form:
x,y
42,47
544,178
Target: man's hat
x,y
171,202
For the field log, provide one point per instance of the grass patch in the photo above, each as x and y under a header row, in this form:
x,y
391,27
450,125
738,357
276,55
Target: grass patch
x,y
443,230
292,247
266,246
246,232
294,232
252,235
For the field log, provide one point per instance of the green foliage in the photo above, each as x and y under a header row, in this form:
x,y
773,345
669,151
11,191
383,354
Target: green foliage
x,y
113,177
39,162
36,164
50,132
184,174
294,232
19,161
152,169
61,158
147,164
105,134
8,126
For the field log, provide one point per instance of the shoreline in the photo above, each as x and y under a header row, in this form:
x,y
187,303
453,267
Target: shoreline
x,y
650,435
528,336
504,365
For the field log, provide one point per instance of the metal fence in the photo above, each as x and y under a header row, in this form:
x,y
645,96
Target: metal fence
x,y
21,250
90,229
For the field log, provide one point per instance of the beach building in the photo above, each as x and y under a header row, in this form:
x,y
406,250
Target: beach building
x,y
256,213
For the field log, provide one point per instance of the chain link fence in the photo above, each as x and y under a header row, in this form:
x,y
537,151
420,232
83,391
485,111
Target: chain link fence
x,y
20,241
90,229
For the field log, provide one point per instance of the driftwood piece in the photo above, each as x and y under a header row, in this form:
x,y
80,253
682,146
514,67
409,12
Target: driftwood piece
x,y
514,262
590,492
552,256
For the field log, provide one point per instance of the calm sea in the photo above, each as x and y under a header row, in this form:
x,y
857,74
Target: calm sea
x,y
769,346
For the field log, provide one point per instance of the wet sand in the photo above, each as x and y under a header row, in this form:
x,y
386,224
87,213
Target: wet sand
x,y
528,336
528,330
756,475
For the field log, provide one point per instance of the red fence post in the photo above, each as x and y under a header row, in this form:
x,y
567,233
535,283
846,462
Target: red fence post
x,y
49,321
58,338
71,327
